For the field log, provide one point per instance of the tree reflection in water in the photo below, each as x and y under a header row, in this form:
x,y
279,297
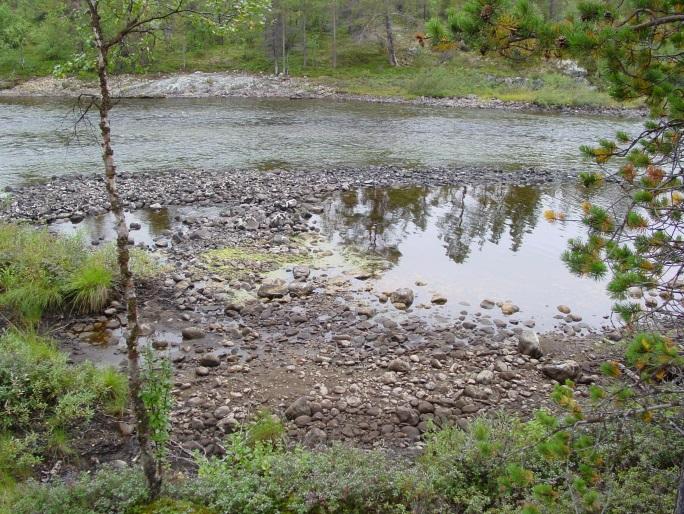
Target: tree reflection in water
x,y
376,220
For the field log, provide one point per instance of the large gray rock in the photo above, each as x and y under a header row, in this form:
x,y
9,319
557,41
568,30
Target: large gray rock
x,y
403,295
299,288
399,365
272,288
315,437
509,308
484,377
562,371
210,360
528,343
300,407
487,304
408,415
301,272
228,424
192,333
438,299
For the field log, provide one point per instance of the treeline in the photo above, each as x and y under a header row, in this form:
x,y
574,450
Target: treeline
x,y
39,37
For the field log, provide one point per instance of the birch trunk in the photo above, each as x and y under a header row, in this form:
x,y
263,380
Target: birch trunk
x,y
151,467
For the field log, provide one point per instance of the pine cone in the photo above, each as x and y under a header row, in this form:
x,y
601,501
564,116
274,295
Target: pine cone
x,y
562,42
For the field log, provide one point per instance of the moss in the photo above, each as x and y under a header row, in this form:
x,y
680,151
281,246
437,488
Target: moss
x,y
238,262
361,260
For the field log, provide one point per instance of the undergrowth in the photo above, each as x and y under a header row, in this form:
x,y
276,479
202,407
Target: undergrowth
x,y
497,465
43,399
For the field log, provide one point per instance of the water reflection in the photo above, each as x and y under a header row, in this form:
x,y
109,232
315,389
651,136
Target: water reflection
x,y
472,242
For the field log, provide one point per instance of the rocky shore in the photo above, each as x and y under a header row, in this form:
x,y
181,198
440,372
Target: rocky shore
x,y
205,85
256,314
64,197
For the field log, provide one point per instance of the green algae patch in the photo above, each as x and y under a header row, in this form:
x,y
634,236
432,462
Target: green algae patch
x,y
365,262
236,262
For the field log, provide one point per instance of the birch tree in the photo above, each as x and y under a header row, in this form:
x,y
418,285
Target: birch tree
x,y
112,22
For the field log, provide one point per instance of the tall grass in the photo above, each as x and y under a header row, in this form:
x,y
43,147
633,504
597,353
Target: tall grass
x,y
41,272
89,285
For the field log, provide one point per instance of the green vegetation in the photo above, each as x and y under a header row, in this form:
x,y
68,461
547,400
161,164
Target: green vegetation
x,y
464,74
638,47
355,63
498,464
237,262
41,272
44,399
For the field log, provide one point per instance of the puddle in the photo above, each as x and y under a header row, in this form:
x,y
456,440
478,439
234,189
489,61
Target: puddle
x,y
470,243
107,347
155,224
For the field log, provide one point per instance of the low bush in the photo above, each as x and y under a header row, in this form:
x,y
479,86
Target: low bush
x,y
107,491
40,272
498,465
43,398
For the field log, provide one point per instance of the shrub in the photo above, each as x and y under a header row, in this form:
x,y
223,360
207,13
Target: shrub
x,y
258,477
39,271
42,397
496,465
88,286
267,428
107,492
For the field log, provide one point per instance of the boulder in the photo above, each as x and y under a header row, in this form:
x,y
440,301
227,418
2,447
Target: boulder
x,y
562,371
210,360
192,333
272,288
399,365
251,223
301,272
528,343
76,217
403,296
228,424
300,407
509,308
408,415
438,299
487,304
315,437
484,377
222,412
300,288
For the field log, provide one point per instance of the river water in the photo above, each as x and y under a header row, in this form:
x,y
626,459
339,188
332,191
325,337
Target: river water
x,y
468,243
38,140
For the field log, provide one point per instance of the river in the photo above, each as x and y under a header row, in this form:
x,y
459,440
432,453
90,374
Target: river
x,y
38,139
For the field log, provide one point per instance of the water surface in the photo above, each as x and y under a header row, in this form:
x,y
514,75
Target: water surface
x,y
472,243
38,139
